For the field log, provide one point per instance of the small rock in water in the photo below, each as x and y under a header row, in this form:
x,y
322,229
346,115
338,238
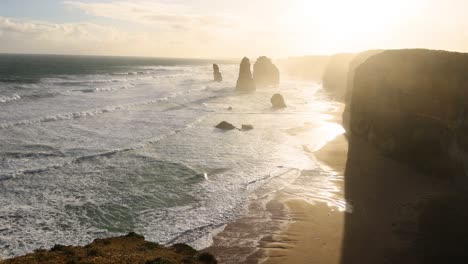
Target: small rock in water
x,y
225,126
278,101
247,127
230,108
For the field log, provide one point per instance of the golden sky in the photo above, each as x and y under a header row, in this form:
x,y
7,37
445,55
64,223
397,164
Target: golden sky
x,y
230,29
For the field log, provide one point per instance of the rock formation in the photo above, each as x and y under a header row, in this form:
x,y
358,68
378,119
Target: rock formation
x,y
335,75
265,73
247,127
132,248
225,126
355,63
218,77
278,101
413,106
245,82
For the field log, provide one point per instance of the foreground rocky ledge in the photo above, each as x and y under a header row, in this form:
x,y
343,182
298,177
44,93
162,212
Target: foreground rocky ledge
x,y
131,248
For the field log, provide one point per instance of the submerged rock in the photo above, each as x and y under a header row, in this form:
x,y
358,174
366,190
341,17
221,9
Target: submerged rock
x,y
225,126
245,82
247,127
265,73
278,101
218,77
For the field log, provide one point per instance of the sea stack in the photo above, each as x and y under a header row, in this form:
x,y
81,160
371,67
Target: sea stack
x,y
245,82
218,77
265,73
278,101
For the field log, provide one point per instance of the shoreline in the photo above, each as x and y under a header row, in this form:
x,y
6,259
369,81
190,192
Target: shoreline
x,y
279,227
299,230
316,232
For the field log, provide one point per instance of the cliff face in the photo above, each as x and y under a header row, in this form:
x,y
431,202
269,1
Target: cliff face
x,y
336,73
413,106
348,94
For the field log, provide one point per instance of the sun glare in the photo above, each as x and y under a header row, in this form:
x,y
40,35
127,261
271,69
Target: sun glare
x,y
347,25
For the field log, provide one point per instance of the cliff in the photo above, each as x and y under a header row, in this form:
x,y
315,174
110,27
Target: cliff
x,y
348,95
306,67
413,105
131,248
335,75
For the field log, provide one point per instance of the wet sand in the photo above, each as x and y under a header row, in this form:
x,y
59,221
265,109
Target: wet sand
x,y
314,236
316,232
398,215
299,231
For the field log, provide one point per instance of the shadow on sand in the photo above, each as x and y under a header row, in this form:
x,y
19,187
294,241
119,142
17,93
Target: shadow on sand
x,y
400,215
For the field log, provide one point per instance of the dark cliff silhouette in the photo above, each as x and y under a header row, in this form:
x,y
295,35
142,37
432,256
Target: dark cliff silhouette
x,y
245,82
405,176
412,105
348,94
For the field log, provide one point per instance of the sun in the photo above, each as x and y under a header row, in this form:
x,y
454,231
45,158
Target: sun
x,y
343,25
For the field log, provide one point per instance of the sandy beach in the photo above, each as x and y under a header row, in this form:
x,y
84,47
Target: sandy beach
x,y
393,212
301,231
316,232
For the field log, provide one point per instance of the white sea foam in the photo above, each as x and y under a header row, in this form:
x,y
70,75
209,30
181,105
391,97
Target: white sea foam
x,y
141,163
96,111
5,99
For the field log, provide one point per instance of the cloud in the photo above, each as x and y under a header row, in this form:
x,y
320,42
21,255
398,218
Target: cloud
x,y
153,13
145,28
29,36
65,32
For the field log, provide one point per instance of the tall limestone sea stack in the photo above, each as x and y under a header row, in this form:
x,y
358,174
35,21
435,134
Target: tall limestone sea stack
x,y
265,73
217,76
245,82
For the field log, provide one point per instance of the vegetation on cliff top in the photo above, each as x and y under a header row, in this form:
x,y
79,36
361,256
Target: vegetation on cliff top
x,y
131,248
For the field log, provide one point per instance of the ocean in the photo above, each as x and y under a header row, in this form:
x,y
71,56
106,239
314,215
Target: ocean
x,y
92,147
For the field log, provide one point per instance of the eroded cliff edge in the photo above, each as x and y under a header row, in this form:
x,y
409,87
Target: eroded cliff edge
x,y
413,106
131,248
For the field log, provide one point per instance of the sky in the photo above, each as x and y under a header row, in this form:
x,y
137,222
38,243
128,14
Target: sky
x,y
229,29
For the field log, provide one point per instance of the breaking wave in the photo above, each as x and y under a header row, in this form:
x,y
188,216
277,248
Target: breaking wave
x,y
6,99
